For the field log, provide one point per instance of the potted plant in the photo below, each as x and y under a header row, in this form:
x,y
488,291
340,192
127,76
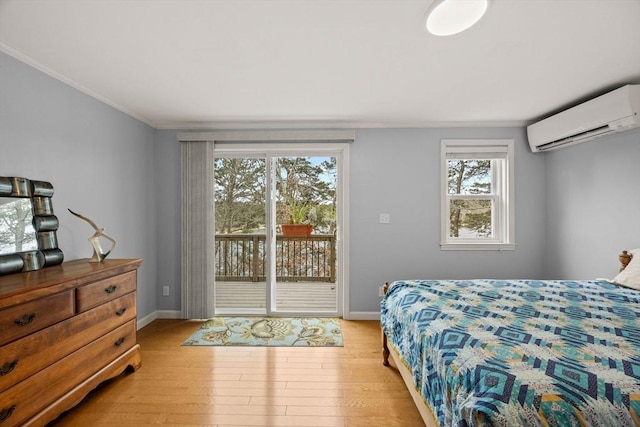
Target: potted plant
x,y
302,219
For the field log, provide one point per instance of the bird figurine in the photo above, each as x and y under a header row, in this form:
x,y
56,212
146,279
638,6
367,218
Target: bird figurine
x,y
98,253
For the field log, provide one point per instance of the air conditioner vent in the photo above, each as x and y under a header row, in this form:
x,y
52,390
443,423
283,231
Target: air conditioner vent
x,y
580,137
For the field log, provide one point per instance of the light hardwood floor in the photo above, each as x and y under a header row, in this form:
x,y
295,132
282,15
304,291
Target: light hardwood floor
x,y
252,386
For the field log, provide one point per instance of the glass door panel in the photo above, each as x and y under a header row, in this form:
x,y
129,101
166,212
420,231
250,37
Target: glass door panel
x,y
305,245
240,240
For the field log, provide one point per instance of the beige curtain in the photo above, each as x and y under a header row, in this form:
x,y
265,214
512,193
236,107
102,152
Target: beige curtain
x,y
198,228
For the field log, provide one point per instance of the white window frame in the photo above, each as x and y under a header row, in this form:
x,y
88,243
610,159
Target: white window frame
x,y
501,152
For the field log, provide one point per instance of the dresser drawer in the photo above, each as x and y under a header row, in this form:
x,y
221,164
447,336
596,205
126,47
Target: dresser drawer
x,y
30,396
24,319
94,294
28,355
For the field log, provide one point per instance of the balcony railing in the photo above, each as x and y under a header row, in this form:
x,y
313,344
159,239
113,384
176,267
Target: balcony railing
x,y
241,257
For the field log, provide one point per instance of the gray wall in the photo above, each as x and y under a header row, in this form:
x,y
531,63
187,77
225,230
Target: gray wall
x,y
574,207
397,171
393,171
101,163
168,218
593,206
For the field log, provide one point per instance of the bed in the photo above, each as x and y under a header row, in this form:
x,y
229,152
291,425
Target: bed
x,y
518,352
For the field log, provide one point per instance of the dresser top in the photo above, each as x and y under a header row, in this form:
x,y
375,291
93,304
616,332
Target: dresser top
x,y
15,288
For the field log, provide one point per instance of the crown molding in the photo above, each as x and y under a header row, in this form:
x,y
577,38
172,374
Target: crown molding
x,y
328,124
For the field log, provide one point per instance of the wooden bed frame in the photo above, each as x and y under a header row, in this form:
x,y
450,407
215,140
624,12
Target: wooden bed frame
x,y
389,350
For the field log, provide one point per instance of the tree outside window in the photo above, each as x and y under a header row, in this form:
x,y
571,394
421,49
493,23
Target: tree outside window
x,y
470,217
306,193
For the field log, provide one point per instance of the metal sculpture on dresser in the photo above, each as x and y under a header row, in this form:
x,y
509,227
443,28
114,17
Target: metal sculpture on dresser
x,y
98,253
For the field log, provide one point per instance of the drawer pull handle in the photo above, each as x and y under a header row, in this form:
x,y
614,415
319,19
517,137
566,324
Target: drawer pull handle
x,y
25,320
119,342
6,413
111,289
8,367
121,311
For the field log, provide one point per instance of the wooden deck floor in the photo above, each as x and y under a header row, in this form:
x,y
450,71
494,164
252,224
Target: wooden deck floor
x,y
290,296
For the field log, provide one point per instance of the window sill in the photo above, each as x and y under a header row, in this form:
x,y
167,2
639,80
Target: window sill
x,y
478,246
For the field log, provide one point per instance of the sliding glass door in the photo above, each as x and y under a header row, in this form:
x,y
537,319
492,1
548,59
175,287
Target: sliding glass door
x,y
278,232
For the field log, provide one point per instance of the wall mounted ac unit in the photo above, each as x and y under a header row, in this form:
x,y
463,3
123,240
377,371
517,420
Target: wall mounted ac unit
x,y
615,111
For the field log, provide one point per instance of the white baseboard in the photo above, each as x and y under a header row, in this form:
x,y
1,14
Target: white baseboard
x,y
169,314
363,315
158,314
177,314
144,321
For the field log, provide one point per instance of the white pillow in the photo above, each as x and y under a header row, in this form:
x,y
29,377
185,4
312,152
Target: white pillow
x,y
630,276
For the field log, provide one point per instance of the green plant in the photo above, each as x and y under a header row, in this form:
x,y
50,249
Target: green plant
x,y
300,213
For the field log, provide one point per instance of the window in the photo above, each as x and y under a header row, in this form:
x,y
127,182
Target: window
x,y
477,195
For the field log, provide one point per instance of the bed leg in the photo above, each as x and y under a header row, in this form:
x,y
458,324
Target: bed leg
x,y
385,347
385,350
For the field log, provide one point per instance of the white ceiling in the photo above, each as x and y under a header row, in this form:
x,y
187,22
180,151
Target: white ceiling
x,y
326,63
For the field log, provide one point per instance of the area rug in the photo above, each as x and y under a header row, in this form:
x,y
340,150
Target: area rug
x,y
268,331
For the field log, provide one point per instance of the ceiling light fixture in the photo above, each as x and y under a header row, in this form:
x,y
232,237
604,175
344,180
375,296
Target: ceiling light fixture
x,y
448,17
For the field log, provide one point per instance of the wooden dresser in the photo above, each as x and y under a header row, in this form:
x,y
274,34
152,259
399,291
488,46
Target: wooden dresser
x,y
64,330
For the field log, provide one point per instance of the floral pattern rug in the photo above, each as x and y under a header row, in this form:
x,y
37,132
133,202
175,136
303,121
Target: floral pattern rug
x,y
268,331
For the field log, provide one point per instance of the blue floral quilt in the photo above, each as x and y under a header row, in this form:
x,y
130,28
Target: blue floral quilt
x,y
519,352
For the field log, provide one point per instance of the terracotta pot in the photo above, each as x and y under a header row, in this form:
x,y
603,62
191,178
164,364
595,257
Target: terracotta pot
x,y
296,230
